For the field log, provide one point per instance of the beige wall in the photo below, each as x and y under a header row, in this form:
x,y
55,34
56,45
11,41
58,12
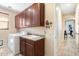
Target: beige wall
x,y
4,33
50,16
49,41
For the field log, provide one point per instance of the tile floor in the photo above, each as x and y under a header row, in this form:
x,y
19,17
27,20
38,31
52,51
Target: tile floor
x,y
68,48
4,51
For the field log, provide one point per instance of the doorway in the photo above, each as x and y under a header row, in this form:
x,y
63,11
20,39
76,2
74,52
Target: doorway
x,y
66,47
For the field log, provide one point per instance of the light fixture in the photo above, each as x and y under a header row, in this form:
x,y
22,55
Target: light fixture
x,y
29,10
48,24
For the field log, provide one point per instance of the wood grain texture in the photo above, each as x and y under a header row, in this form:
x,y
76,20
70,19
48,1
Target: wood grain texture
x,y
31,16
32,48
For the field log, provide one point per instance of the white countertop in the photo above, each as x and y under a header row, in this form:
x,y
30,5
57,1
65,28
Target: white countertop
x,y
33,37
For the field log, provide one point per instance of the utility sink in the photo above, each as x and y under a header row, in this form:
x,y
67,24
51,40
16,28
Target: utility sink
x,y
32,37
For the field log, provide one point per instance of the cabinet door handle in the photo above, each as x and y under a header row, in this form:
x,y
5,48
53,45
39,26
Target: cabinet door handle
x,y
29,44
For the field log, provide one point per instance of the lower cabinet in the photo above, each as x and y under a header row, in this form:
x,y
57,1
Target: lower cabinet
x,y
31,48
22,47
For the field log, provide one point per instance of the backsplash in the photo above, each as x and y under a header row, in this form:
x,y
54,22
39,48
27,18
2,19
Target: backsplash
x,y
34,30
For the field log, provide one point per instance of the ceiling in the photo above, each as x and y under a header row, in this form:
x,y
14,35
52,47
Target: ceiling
x,y
67,7
17,7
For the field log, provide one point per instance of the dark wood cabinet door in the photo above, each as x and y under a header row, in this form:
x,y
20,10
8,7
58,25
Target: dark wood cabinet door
x,y
36,14
28,17
22,20
29,49
38,10
39,47
16,21
22,47
42,14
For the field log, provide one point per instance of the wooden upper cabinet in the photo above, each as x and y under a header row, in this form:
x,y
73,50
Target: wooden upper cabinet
x,y
23,18
42,14
30,17
36,15
20,21
16,21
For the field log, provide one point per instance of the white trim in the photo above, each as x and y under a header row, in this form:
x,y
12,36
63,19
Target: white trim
x,y
70,17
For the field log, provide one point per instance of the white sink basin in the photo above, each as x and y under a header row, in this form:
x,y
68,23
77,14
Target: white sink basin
x,y
32,37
